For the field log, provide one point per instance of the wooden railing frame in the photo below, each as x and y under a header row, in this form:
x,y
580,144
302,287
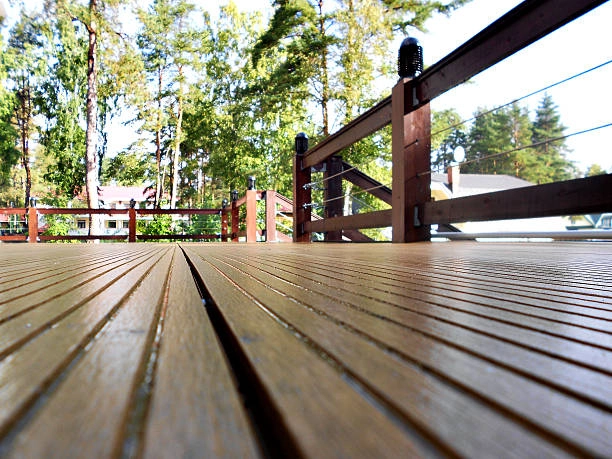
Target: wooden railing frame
x,y
273,201
132,236
408,111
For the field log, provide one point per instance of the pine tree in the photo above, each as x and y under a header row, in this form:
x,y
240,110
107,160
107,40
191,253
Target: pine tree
x,y
171,46
498,142
550,163
448,133
25,73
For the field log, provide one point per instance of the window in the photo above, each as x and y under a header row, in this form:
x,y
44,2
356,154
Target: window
x,y
81,224
126,223
111,224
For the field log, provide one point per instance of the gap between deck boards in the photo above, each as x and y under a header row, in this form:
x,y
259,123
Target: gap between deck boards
x,y
273,435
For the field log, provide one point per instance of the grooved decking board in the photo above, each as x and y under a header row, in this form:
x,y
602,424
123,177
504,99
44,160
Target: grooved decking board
x,y
108,352
195,410
323,410
484,374
316,350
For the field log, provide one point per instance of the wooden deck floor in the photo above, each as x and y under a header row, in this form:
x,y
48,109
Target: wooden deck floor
x,y
364,350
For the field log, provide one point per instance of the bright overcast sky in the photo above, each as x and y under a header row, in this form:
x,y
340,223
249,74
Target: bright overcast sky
x,y
585,43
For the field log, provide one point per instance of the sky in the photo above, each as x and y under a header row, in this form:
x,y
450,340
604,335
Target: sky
x,y
583,103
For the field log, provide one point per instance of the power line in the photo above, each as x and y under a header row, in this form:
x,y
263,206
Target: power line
x,y
537,144
565,80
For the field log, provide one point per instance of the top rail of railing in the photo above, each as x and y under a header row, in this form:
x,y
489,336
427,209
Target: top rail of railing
x,y
412,212
517,29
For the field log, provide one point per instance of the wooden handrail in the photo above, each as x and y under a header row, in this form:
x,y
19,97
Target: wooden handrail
x,y
33,230
580,196
517,29
367,123
412,213
514,31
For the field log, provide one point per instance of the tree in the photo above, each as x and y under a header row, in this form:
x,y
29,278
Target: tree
x,y
448,133
88,26
126,169
494,141
9,154
25,74
550,162
235,128
594,169
331,52
505,141
61,100
171,47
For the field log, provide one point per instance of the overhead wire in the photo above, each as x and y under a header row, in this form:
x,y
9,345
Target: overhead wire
x,y
533,93
536,144
524,147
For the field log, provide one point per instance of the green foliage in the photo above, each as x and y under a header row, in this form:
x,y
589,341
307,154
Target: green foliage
x,y
58,225
214,102
594,169
9,154
65,143
506,141
203,224
448,133
550,163
160,225
9,137
418,11
127,169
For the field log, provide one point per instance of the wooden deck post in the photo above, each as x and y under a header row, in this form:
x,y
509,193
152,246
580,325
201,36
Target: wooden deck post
x,y
411,149
132,225
302,195
271,216
333,195
32,225
251,215
235,215
224,223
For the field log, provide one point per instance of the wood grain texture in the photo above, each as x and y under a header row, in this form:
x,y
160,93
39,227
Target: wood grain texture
x,y
195,410
363,350
324,414
507,366
107,351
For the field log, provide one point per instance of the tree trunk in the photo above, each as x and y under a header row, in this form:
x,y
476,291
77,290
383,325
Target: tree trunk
x,y
91,154
324,76
23,121
159,188
177,143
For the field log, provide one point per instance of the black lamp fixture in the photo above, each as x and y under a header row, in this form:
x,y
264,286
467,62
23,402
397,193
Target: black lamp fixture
x,y
33,201
234,194
224,203
301,144
251,182
132,203
410,58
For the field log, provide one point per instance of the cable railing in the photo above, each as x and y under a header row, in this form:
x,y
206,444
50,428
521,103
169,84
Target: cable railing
x,y
128,225
407,110
521,98
244,219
